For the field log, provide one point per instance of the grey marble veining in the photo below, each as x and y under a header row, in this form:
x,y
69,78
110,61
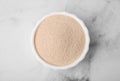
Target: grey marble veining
x,y
17,21
103,21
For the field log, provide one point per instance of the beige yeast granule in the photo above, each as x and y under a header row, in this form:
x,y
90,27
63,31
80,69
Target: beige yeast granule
x,y
59,40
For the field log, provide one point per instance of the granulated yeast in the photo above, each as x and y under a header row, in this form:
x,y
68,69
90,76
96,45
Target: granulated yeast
x,y
59,40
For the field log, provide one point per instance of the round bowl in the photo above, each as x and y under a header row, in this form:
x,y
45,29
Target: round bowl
x,y
83,53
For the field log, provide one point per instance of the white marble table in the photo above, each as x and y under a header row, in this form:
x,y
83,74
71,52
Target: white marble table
x,y
17,20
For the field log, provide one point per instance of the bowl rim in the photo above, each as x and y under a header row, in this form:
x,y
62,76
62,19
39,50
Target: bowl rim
x,y
83,53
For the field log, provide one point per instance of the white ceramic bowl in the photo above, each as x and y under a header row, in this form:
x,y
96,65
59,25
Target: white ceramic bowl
x,y
83,53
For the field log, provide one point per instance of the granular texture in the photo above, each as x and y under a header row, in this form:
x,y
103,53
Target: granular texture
x,y
59,40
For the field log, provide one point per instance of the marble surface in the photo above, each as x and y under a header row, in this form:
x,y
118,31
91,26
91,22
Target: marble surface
x,y
17,21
